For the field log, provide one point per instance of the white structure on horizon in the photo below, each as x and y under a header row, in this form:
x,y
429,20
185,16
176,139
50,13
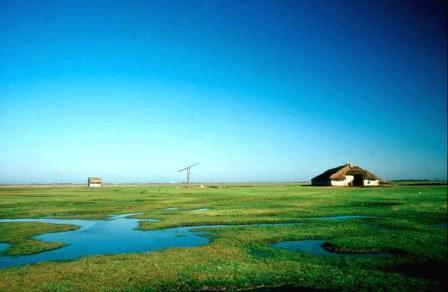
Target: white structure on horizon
x,y
94,182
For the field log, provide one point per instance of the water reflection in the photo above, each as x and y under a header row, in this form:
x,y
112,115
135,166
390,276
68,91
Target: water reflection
x,y
116,235
316,247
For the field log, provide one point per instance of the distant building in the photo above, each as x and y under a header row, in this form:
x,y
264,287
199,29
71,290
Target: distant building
x,y
347,175
95,182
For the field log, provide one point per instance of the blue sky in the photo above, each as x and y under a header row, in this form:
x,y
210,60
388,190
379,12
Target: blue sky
x,y
253,90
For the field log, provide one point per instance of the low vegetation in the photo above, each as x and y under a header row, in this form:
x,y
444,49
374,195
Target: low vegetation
x,y
406,222
18,235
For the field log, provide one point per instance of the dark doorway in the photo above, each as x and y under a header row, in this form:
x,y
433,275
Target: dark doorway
x,y
358,180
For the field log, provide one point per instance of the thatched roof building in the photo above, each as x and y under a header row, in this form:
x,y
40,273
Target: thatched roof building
x,y
346,175
94,182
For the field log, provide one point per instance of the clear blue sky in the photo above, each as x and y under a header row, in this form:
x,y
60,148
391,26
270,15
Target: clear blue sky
x,y
253,90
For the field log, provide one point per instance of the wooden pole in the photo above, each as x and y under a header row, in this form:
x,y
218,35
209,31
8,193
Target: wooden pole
x,y
188,168
188,177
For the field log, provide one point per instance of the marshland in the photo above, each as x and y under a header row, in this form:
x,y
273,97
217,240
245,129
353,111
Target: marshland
x,y
238,229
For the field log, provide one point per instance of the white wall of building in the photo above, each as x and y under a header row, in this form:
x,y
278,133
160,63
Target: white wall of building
x,y
343,183
349,178
371,183
93,185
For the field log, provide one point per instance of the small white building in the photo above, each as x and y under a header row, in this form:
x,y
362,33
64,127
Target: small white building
x,y
94,182
347,175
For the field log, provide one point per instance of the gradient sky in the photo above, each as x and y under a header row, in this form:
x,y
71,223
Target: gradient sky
x,y
253,90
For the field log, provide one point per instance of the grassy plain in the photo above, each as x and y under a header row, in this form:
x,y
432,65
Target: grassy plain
x,y
406,223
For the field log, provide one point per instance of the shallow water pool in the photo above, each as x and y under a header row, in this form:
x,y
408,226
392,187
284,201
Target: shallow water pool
x,y
316,247
118,234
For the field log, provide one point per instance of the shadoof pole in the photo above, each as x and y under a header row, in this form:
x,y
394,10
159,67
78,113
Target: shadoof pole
x,y
188,169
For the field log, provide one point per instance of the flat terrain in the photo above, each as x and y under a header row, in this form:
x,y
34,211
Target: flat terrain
x,y
408,221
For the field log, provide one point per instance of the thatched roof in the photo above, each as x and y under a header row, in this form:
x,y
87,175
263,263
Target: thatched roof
x,y
95,179
339,173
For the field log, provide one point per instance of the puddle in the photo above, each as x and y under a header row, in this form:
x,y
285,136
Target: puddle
x,y
97,237
118,234
315,247
3,246
308,246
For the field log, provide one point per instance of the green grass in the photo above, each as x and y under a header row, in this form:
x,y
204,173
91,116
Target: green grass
x,y
18,235
239,257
